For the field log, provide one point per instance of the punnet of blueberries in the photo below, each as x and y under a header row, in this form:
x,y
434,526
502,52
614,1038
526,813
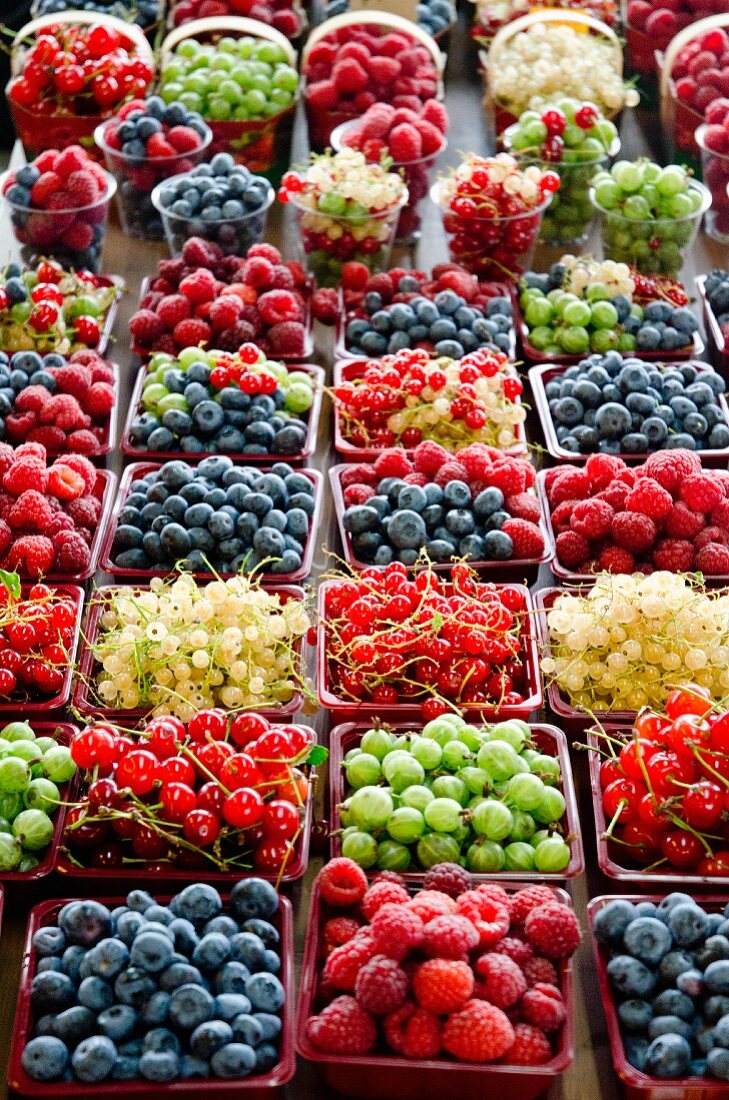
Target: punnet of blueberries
x,y
221,201
215,517
142,12
434,16
158,992
668,968
627,406
716,288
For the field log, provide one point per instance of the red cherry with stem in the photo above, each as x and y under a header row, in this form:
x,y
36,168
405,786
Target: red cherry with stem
x,y
621,798
248,727
124,826
8,681
249,354
147,843
686,731
610,770
207,725
243,808
549,183
211,796
634,754
163,739
124,745
178,800
552,149
666,771
703,805
102,793
682,849
177,769
214,755
650,725
239,772
644,845
651,816
201,827
94,745
273,858
80,832
280,819
69,80
719,735
138,771
689,699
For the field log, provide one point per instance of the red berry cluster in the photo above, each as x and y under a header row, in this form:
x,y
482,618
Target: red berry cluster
x,y
649,288
664,786
701,74
556,122
36,637
667,513
230,793
391,639
75,416
75,69
53,315
170,141
204,297
48,515
472,976
284,15
400,133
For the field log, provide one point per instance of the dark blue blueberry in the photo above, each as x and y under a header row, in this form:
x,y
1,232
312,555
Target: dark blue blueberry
x,y
45,1058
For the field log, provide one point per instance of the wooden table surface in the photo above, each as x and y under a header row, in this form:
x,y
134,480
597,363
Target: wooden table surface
x,y
591,1073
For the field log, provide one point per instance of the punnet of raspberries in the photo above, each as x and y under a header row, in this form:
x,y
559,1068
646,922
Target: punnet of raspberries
x,y
669,513
205,298
286,16
48,514
386,986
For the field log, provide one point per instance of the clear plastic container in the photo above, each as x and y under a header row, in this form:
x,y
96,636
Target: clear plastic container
x,y
548,739
655,245
74,237
716,343
679,121
234,235
715,174
569,215
136,179
417,175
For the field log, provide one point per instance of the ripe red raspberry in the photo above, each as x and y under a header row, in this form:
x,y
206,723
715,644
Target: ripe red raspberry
x,y
174,308
451,471
405,143
388,876
413,1032
349,76
27,472
522,506
46,185
146,328
615,495
342,1028
428,457
429,904
434,112
675,555
553,929
99,401
357,494
448,878
382,893
65,412
494,892
682,523
613,559
710,534
325,305
701,492
80,465
345,962
31,511
279,306
358,474
417,479
339,930
72,552
568,485
342,882
73,379
32,399
509,476
538,970
199,286
431,138
478,460
671,468
601,469
32,555
53,439
197,252
322,95
443,985
531,1047
81,188
396,929
649,498
183,139
393,463
562,516
720,515
70,159
489,915
449,937
572,549
592,519
518,950
191,333
503,982
287,338
382,986
634,531
527,539
523,901
543,1006
478,1032
713,559
84,511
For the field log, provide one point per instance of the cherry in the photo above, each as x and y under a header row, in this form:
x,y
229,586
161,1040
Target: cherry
x,y
682,849
689,699
138,771
94,745
147,843
622,795
102,793
201,827
239,771
271,858
280,820
703,805
213,755
178,800
610,770
208,724
244,807
82,832
211,796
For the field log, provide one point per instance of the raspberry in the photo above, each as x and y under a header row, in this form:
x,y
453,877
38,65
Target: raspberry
x,y
675,555
518,950
7,457
358,473
83,442
70,159
388,876
197,252
99,400
671,468
31,450
279,306
65,412
32,555
526,537
568,485
572,549
522,506
543,1006
32,399
592,519
395,930
146,327
649,498
413,1031
199,286
503,981
405,143
713,559
720,515
174,308
383,893
82,188
478,461
31,510
287,338
18,425
74,379
183,139
417,479
489,916
509,476
434,112
355,275
701,492
345,962
562,516
45,186
53,439
339,930
478,1032
27,472
553,929
682,523
493,892
531,1047
448,878
349,76
443,985
431,903
191,333
392,463
428,457
72,552
267,251
602,469
613,559
538,970
342,882
451,471
84,511
449,937
357,494
325,305
342,1028
522,903
615,495
431,138
382,986
710,534
634,531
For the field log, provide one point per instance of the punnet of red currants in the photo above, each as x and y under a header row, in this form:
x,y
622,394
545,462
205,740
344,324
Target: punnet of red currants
x,y
37,625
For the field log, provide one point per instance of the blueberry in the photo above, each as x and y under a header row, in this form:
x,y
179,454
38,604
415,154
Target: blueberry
x,y
688,924
45,1058
212,950
714,948
199,903
95,993
611,921
108,958
71,961
51,991
270,1025
648,939
488,502
671,1002
716,977
233,1060
691,982
635,1014
248,948
128,925
498,546
265,992
94,1058
630,976
133,987
668,1056
178,974
191,1067
231,978
267,1057
209,1037
151,951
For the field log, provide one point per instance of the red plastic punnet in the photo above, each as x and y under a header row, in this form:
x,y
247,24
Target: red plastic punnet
x,y
83,697
637,1085
104,491
346,709
716,344
386,1076
130,450
548,739
139,470
20,704
268,1086
520,569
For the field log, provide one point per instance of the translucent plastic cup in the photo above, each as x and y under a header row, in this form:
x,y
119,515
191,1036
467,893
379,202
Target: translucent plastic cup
x,y
328,241
136,178
715,173
74,237
417,175
656,245
492,248
234,235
